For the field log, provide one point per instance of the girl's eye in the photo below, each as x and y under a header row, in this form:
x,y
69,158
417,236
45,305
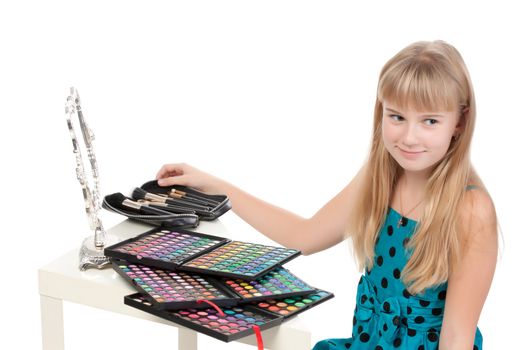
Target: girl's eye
x,y
396,117
431,121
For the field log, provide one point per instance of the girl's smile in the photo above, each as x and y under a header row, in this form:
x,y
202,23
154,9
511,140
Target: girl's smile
x,y
410,154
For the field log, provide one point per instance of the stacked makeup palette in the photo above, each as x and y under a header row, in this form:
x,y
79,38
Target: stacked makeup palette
x,y
167,289
233,323
216,286
198,252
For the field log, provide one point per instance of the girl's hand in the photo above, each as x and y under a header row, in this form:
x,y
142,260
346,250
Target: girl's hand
x,y
186,175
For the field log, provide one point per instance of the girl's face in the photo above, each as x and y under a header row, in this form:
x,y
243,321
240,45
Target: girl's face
x,y
417,140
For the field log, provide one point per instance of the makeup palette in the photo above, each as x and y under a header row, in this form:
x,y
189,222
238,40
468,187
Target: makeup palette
x,y
235,324
166,289
278,283
164,248
202,253
291,306
237,259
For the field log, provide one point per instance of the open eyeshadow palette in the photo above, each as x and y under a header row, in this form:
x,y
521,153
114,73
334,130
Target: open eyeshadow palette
x,y
236,323
198,252
241,260
166,289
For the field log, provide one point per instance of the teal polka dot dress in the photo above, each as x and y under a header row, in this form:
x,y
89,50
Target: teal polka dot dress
x,y
386,315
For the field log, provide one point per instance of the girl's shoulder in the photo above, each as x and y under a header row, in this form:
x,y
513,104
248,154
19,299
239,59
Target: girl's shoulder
x,y
477,200
477,210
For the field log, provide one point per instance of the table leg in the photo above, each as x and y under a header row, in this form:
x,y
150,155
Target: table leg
x,y
187,339
52,323
289,340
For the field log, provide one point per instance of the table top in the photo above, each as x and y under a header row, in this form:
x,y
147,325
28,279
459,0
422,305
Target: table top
x,y
105,289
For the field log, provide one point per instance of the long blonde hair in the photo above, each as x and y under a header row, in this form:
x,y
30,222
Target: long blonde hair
x,y
427,76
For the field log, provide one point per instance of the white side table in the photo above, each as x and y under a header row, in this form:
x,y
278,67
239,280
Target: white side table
x,y
104,289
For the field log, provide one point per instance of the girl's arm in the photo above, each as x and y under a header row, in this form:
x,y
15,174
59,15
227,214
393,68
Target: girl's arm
x,y
323,230
470,281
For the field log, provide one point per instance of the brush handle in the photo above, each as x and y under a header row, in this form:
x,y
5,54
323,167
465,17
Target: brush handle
x,y
194,200
207,201
178,202
143,209
172,208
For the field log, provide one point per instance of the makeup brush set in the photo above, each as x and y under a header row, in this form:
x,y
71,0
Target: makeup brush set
x,y
223,288
174,206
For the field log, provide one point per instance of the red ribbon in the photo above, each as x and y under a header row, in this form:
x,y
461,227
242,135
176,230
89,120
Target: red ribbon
x,y
213,305
259,339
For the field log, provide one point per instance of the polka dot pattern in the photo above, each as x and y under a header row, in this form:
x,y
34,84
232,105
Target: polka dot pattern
x,y
410,322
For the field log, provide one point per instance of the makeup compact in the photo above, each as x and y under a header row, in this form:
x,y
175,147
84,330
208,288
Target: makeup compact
x,y
198,252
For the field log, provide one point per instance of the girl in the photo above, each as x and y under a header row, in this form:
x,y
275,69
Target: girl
x,y
423,226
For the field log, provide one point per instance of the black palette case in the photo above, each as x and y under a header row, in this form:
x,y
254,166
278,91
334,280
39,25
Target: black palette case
x,y
220,204
228,330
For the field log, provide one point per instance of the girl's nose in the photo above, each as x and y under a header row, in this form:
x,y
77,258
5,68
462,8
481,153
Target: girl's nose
x,y
410,138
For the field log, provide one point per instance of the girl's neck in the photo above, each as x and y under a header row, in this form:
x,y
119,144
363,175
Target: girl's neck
x,y
414,181
409,193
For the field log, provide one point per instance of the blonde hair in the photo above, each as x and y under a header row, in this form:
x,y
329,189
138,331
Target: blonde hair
x,y
427,76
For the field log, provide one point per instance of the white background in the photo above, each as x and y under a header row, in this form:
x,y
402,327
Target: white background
x,y
276,97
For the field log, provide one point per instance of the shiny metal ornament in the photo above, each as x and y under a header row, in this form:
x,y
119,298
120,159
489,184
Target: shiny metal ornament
x,y
91,252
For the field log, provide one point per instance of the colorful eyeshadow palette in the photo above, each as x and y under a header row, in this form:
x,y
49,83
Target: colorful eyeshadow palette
x,y
236,259
166,289
291,306
277,283
235,324
164,248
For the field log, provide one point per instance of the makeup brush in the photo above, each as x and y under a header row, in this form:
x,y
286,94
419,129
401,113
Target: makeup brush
x,y
139,193
174,193
143,209
178,197
201,212
166,207
189,199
